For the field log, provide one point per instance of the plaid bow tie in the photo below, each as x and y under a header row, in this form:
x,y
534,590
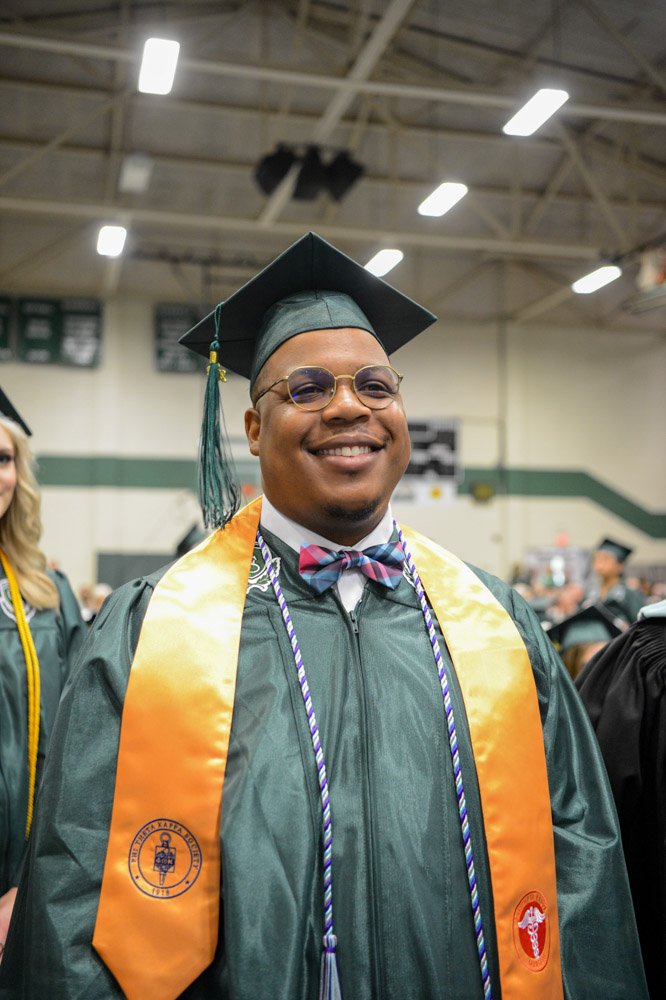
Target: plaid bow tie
x,y
321,568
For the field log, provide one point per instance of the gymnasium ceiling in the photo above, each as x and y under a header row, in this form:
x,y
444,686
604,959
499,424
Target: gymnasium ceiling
x,y
416,91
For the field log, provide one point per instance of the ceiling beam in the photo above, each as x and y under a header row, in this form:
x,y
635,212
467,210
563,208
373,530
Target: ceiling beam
x,y
363,66
61,138
447,95
483,213
409,186
646,166
597,14
50,250
442,293
118,116
549,195
475,49
542,305
594,188
299,118
212,223
558,177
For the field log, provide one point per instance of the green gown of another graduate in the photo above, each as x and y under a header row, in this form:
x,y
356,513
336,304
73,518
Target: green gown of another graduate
x,y
57,637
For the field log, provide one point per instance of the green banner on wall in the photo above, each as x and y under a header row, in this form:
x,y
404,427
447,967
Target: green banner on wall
x,y
60,332
81,332
6,352
39,331
171,322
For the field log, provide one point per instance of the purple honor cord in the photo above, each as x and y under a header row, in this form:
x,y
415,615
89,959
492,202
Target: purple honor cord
x,y
329,984
457,772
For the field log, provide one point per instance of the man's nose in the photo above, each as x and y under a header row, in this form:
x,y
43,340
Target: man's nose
x,y
345,404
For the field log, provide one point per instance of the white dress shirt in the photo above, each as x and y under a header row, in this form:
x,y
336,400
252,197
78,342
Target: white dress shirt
x,y
350,585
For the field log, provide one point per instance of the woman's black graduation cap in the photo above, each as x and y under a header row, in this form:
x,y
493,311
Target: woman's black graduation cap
x,y
7,409
311,286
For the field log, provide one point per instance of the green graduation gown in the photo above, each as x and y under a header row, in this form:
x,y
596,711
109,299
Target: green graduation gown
x,y
624,602
401,900
57,636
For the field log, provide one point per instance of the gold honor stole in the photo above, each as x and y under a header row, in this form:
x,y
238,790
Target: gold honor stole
x,y
158,916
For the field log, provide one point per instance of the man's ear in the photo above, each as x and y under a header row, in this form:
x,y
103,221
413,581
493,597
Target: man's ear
x,y
253,429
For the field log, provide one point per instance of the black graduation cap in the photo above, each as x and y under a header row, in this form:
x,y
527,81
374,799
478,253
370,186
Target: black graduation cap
x,y
591,624
8,410
318,288
620,551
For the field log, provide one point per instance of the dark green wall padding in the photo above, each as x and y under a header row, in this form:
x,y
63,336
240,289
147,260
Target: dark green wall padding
x,y
567,483
167,473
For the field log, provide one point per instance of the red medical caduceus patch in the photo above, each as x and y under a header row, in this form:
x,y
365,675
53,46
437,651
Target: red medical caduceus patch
x,y
531,930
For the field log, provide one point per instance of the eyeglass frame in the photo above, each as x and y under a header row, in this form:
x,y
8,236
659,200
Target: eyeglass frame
x,y
316,409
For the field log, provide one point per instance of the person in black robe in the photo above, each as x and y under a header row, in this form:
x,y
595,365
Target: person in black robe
x,y
623,688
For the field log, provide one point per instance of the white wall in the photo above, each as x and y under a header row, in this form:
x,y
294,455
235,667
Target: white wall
x,y
538,397
570,398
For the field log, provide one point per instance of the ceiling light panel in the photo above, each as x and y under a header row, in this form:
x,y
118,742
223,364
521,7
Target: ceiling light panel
x,y
596,279
135,173
384,261
111,240
538,110
158,67
443,198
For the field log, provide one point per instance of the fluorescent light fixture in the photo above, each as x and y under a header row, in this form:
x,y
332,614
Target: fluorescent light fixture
x,y
383,262
537,110
158,66
111,240
135,172
596,279
443,198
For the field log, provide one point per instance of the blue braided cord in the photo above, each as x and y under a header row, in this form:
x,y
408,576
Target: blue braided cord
x,y
457,771
330,940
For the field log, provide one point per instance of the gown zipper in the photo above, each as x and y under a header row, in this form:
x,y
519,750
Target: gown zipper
x,y
374,937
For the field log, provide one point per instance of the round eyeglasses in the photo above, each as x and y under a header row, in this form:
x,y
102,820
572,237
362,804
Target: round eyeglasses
x,y
313,388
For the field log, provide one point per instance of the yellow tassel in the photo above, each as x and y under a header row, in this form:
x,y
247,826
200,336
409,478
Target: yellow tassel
x,y
32,669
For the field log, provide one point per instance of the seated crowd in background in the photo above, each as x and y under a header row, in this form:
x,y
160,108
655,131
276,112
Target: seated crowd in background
x,y
582,616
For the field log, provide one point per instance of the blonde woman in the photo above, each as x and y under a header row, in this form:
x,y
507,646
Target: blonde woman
x,y
41,630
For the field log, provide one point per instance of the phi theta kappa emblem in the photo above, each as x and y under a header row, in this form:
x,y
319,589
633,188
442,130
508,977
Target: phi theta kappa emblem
x,y
531,930
164,859
259,577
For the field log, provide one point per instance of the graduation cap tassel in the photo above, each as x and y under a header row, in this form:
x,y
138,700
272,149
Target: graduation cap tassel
x,y
219,488
329,981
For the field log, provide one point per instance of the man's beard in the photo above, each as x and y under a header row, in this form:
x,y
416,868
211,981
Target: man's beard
x,y
353,515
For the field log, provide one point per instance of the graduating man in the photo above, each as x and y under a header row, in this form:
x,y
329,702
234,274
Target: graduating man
x,y
319,756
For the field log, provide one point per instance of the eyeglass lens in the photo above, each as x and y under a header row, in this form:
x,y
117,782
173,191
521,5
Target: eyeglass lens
x,y
312,388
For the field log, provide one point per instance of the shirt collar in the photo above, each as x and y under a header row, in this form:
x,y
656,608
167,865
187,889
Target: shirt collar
x,y
295,535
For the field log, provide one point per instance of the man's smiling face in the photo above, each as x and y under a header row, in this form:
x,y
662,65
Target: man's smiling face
x,y
332,470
